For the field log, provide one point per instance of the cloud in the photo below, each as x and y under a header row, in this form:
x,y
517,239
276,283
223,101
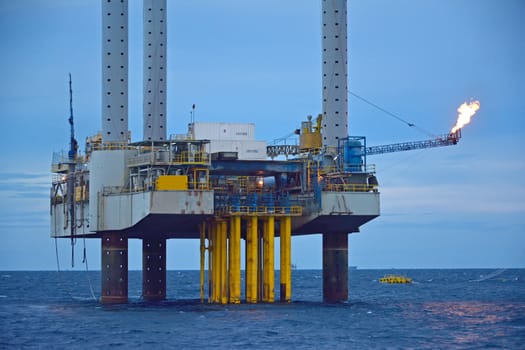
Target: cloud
x,y
25,199
453,183
25,178
23,185
454,199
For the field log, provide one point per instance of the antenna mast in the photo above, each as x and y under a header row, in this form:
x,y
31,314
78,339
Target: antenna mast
x,y
72,154
73,145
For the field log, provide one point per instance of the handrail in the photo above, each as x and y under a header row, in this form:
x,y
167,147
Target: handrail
x,y
109,146
350,188
182,158
191,157
294,210
62,157
369,168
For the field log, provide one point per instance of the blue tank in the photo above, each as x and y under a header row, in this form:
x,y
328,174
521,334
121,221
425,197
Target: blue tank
x,y
353,156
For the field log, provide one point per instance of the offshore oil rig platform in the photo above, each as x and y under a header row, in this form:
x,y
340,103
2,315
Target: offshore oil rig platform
x,y
216,182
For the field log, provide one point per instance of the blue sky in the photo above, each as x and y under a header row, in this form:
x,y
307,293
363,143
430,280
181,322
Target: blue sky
x,y
260,61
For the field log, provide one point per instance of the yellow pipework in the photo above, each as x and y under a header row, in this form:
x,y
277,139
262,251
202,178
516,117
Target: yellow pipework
x,y
211,259
268,260
215,259
218,266
202,228
318,122
235,260
251,260
223,239
285,261
210,269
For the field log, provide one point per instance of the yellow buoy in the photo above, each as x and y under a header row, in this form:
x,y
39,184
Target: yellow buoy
x,y
395,279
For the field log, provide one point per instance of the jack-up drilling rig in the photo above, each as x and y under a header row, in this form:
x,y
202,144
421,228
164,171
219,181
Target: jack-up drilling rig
x,y
214,183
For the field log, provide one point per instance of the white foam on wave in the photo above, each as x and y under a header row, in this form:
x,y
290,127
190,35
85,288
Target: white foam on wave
x,y
489,276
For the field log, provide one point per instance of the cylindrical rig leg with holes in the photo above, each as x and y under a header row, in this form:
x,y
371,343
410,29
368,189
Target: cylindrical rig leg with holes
x,y
286,259
234,265
154,269
335,267
114,268
268,260
251,260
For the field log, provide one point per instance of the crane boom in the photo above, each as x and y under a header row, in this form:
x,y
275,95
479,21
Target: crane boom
x,y
440,141
444,140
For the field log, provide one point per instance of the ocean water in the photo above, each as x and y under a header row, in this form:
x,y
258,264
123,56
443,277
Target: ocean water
x,y
442,309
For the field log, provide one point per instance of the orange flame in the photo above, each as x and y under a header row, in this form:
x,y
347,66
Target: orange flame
x,y
466,111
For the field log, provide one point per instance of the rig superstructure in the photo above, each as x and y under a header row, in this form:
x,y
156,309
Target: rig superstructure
x,y
220,191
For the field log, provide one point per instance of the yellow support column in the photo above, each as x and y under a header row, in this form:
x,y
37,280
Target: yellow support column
x,y
219,251
262,265
268,260
215,258
202,228
210,257
217,266
286,261
251,260
223,238
235,260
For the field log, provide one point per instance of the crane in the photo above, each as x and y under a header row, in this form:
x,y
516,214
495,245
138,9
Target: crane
x,y
439,141
310,137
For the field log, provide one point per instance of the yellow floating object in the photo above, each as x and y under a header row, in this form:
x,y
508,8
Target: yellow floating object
x,y
395,279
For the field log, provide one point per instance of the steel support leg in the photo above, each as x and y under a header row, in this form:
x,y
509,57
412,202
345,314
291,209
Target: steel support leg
x,y
234,265
202,229
209,235
335,267
154,269
252,241
268,260
215,259
286,259
114,269
222,239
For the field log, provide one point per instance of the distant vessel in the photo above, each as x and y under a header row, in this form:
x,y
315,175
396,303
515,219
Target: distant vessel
x,y
395,279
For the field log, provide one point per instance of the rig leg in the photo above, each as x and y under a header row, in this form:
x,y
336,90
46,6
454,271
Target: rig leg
x,y
251,260
154,269
235,260
114,268
286,259
335,267
268,260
